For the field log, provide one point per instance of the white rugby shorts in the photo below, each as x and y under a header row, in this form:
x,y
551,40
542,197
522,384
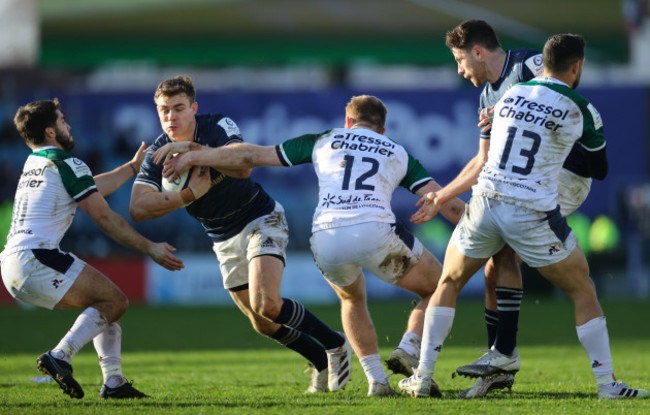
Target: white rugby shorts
x,y
266,235
385,250
572,191
40,276
540,238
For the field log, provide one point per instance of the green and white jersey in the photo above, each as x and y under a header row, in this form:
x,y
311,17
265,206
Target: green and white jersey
x,y
535,125
51,185
358,170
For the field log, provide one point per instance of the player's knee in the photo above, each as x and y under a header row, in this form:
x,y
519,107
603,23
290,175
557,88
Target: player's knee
x,y
267,308
121,303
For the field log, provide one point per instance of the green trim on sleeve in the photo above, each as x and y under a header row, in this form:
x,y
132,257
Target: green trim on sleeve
x,y
415,172
299,150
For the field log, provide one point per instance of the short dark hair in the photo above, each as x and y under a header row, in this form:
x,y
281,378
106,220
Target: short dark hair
x,y
562,51
472,32
32,119
175,86
367,109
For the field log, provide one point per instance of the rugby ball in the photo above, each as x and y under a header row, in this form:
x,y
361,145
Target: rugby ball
x,y
179,183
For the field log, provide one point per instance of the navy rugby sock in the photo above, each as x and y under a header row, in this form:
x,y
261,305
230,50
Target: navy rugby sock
x,y
303,344
508,303
294,314
491,322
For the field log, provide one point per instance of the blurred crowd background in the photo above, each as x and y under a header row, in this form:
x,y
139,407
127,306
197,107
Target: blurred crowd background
x,y
281,68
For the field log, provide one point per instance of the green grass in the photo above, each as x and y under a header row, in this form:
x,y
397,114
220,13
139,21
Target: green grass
x,y
179,356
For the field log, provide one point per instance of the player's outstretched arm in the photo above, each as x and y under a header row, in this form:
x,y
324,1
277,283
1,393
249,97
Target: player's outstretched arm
x,y
117,228
109,182
232,157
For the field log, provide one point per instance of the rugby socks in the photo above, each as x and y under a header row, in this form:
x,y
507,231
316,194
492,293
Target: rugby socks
x,y
373,368
491,323
508,304
302,344
411,344
594,338
437,325
88,325
108,345
294,314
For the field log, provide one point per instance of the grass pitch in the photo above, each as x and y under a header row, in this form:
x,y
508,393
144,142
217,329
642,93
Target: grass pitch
x,y
209,360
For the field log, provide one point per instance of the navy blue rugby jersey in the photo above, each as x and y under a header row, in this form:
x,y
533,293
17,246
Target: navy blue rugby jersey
x,y
522,65
231,203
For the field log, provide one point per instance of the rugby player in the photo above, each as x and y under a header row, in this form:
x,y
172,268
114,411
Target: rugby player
x,y
354,228
36,271
248,230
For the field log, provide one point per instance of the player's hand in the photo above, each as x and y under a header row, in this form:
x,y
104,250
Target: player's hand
x,y
161,253
200,181
485,119
139,156
429,207
166,152
175,166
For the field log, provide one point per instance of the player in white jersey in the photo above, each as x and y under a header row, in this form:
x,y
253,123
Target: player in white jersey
x,y
483,61
36,271
354,228
515,202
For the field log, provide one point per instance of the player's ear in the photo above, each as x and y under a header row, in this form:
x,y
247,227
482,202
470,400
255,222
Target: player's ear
x,y
477,51
348,122
195,107
50,132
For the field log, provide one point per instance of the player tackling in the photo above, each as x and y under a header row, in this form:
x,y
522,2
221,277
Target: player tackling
x,y
515,202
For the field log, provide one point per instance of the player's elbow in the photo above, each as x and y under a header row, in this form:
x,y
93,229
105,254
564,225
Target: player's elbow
x,y
136,213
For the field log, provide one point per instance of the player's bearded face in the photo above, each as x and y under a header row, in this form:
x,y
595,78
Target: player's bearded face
x,y
64,138
577,80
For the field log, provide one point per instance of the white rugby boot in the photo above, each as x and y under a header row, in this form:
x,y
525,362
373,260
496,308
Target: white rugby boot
x,y
620,390
339,361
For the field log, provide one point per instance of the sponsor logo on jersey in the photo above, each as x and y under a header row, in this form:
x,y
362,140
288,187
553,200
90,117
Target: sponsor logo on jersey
x,y
535,64
364,143
78,167
598,121
356,201
229,126
521,108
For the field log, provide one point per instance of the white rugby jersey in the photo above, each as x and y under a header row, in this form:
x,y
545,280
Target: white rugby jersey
x,y
535,125
51,185
358,170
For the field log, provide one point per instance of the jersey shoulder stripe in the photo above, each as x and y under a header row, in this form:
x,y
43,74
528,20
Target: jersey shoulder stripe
x,y
76,176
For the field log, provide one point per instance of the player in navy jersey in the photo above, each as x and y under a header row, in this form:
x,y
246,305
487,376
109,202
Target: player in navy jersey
x,y
248,231
481,59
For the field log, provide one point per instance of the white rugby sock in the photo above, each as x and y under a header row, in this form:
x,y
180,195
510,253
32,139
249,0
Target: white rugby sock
x,y
109,349
437,325
373,368
88,325
594,338
411,344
